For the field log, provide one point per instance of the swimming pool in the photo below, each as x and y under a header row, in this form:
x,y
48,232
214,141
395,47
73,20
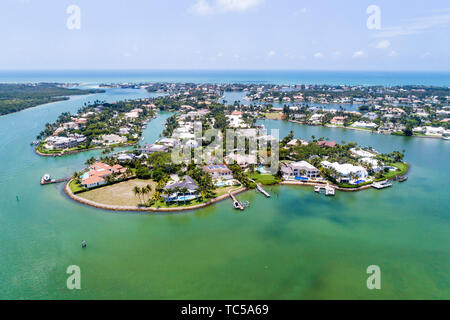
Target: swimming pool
x,y
186,198
301,178
85,175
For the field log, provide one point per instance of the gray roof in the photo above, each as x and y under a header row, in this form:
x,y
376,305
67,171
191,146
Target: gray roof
x,y
187,182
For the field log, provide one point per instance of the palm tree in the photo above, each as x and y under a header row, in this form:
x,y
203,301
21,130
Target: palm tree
x,y
147,189
137,193
175,190
184,190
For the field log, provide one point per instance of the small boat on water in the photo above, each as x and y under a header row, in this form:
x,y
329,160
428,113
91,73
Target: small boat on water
x,y
382,184
236,205
83,244
402,179
318,188
329,191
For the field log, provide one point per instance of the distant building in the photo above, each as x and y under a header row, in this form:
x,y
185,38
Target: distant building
x,y
55,142
110,139
330,144
218,171
151,148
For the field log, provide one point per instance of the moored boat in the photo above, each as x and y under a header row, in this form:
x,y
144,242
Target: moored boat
x,y
382,184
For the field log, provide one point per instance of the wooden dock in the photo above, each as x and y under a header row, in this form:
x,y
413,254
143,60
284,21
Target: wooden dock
x,y
44,182
236,202
260,189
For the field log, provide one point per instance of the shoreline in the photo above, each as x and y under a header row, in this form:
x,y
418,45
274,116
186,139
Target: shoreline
x,y
360,129
54,155
97,205
108,207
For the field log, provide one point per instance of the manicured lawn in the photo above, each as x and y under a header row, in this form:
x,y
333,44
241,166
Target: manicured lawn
x,y
403,167
264,179
75,186
119,194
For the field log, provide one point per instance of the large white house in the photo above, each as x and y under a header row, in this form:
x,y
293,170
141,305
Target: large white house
x,y
346,171
299,169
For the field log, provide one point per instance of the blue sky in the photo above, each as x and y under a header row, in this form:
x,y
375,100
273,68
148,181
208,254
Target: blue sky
x,y
225,34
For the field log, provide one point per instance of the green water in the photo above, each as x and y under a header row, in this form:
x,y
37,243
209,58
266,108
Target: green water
x,y
296,245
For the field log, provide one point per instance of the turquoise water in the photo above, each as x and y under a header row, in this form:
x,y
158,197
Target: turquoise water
x,y
232,76
295,245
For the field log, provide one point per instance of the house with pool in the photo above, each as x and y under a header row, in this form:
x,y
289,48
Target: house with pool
x,y
301,170
221,174
180,191
347,173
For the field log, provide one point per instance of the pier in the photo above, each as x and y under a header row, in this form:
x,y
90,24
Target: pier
x,y
236,203
260,189
47,180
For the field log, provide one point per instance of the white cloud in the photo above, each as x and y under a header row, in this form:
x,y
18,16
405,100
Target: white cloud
x,y
358,54
238,5
417,25
393,53
219,54
271,53
383,44
208,7
318,55
202,8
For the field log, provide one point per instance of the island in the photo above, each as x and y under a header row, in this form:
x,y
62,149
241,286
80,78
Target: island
x,y
146,178
17,97
95,126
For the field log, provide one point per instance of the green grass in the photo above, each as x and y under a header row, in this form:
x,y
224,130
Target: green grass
x,y
264,179
76,187
402,170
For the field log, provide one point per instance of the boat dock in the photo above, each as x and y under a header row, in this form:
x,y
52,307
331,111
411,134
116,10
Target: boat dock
x,y
327,190
236,203
260,189
47,180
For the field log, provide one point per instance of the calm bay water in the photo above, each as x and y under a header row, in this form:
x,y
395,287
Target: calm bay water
x,y
295,245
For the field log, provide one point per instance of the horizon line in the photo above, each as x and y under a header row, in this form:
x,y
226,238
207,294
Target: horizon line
x,y
218,69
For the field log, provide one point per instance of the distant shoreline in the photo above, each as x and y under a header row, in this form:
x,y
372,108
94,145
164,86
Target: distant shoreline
x,y
360,129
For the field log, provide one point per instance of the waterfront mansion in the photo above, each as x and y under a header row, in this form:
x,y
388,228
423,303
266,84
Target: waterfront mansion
x,y
300,169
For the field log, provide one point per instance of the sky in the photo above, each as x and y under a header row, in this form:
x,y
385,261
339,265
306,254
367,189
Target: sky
x,y
375,35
